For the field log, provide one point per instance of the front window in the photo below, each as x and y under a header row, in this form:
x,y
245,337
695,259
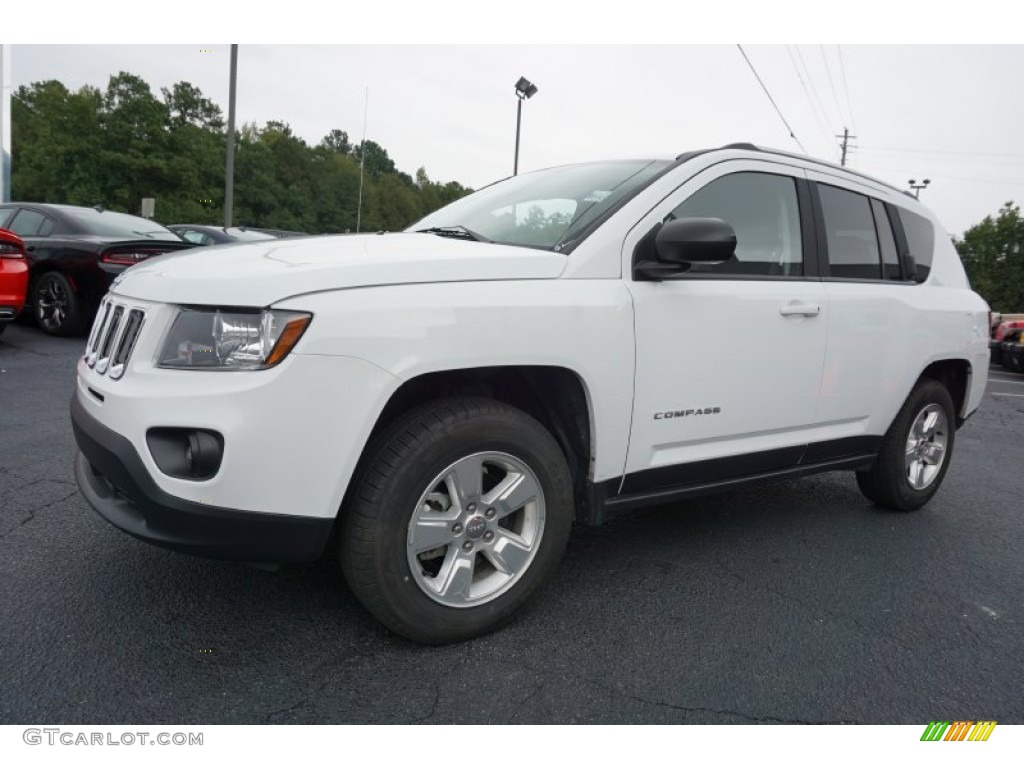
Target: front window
x,y
545,209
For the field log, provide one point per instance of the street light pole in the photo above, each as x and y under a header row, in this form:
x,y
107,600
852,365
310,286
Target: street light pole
x,y
524,90
229,182
918,187
519,120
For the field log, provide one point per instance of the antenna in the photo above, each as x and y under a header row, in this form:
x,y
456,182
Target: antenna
x,y
362,159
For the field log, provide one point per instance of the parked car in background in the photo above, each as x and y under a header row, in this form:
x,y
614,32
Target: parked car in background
x,y
279,233
1009,350
204,234
73,255
995,345
13,277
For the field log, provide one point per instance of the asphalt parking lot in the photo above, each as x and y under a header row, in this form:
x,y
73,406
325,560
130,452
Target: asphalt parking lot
x,y
794,603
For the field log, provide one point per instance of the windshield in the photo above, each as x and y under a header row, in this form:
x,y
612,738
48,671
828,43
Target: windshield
x,y
544,209
111,224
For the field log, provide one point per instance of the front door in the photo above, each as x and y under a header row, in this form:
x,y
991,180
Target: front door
x,y
729,357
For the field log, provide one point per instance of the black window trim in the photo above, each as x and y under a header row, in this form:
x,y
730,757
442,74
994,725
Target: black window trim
x,y
900,266
808,233
902,249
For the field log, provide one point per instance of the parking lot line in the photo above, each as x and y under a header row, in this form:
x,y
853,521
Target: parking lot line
x,y
1008,394
1007,381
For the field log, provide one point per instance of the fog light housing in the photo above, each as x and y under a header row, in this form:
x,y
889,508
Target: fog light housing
x,y
185,453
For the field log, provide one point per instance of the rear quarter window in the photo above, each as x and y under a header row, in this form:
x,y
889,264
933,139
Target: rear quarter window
x,y
920,240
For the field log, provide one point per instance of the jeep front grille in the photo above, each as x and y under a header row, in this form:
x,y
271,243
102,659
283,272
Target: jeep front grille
x,y
113,338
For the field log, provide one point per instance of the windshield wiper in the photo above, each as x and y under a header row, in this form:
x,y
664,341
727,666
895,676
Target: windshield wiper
x,y
457,231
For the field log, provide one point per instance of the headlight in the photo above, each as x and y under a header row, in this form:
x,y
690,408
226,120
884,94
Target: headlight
x,y
235,339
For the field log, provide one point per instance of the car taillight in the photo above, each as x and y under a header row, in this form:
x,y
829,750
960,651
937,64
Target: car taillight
x,y
129,256
10,251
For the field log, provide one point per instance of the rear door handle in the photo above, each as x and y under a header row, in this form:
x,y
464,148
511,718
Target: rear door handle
x,y
793,308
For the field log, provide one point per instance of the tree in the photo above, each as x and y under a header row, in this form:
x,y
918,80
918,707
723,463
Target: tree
x,y
376,161
186,105
336,141
993,255
122,144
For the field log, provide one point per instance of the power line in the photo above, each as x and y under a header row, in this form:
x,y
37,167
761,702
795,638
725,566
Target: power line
x,y
766,93
846,88
800,77
943,152
831,83
904,171
807,71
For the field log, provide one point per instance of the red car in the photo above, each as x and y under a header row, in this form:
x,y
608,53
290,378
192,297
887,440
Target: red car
x,y
13,277
995,345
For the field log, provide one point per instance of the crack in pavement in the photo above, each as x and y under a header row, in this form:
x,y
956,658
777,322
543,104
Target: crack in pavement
x,y
306,699
433,707
681,707
861,628
32,513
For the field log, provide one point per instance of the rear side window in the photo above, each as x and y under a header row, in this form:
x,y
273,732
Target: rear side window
x,y
762,208
850,234
921,241
31,224
5,214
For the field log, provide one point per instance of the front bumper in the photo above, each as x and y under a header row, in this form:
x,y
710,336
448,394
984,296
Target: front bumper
x,y
114,480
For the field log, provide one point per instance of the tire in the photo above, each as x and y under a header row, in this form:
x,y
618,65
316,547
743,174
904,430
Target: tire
x,y
1012,361
459,511
56,307
915,452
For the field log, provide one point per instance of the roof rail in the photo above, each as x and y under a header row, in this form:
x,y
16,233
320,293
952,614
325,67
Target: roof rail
x,y
747,146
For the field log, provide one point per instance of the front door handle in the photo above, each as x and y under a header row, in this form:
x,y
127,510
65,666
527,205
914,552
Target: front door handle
x,y
793,308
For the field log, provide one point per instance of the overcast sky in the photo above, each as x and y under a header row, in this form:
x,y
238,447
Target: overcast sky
x,y
952,114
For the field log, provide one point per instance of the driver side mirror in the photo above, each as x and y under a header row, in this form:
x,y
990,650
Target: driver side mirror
x,y
679,243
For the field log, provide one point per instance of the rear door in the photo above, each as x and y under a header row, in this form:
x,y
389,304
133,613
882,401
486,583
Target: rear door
x,y
729,357
872,348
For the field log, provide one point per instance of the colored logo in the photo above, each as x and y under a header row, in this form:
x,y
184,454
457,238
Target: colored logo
x,y
961,730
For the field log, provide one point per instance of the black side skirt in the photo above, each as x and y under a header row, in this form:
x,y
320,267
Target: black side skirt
x,y
664,485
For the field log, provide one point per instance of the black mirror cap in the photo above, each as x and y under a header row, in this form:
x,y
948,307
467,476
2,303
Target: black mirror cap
x,y
685,241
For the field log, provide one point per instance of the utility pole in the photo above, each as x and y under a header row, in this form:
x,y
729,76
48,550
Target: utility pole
x,y
845,143
362,160
5,124
229,183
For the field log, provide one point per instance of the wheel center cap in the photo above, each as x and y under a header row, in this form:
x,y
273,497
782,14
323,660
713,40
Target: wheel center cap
x,y
475,527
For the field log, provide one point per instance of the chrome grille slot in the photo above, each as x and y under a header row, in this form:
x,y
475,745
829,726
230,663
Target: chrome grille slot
x,y
108,340
113,337
97,333
126,343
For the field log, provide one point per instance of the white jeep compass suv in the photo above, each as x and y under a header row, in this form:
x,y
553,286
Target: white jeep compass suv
x,y
557,347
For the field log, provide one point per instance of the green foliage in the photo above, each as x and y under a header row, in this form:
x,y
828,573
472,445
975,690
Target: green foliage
x,y
993,255
120,145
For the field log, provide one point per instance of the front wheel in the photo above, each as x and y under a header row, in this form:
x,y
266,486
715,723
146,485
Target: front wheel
x,y
915,452
460,511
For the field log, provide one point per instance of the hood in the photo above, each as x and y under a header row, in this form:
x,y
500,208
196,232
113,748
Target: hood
x,y
260,273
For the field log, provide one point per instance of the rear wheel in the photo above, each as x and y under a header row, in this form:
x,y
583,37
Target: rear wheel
x,y
460,511
915,452
57,308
